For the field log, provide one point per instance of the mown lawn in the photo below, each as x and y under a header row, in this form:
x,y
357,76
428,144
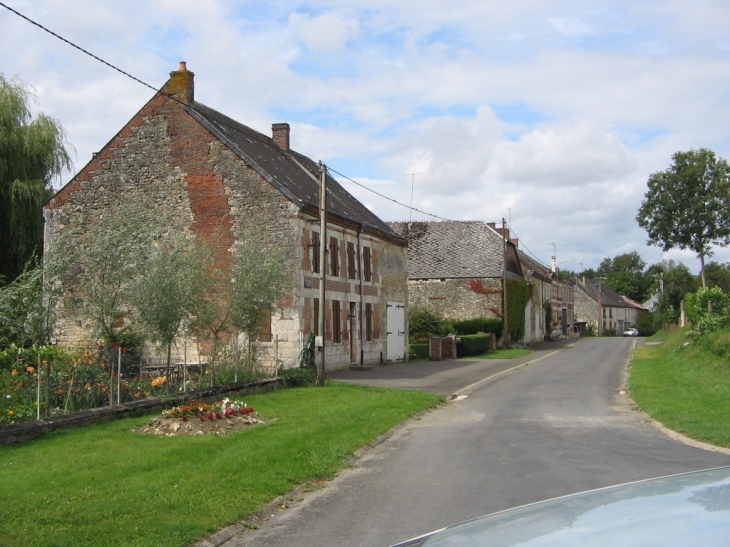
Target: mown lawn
x,y
508,353
104,485
687,389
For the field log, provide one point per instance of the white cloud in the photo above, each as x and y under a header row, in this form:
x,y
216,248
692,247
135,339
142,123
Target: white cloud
x,y
568,155
380,89
325,33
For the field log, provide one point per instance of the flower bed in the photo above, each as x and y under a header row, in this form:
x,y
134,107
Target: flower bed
x,y
198,418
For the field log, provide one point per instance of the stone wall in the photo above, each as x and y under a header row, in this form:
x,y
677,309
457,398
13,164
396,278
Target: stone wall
x,y
458,299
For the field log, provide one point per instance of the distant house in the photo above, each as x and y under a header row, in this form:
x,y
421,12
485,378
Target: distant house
x,y
456,268
550,312
213,175
599,305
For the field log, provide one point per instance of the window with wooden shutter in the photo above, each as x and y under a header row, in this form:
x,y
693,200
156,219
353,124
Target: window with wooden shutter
x,y
368,322
336,321
334,258
315,311
367,264
265,332
351,271
315,252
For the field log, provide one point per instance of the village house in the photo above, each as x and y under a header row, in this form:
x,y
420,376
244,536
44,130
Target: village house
x,y
213,176
599,305
550,311
456,268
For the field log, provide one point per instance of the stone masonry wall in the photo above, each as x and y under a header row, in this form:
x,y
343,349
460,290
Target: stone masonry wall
x,y
458,299
167,162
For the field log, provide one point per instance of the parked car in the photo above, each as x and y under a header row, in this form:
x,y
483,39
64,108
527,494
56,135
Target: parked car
x,y
631,332
687,509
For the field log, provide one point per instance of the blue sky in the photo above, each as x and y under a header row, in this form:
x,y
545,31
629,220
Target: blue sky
x,y
551,114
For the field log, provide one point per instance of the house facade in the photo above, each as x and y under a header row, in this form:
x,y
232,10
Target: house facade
x,y
456,268
550,311
217,178
599,305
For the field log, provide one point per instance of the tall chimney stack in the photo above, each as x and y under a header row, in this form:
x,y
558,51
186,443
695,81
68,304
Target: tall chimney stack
x,y
280,133
182,84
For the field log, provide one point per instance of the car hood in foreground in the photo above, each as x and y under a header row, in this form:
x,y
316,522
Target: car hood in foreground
x,y
687,509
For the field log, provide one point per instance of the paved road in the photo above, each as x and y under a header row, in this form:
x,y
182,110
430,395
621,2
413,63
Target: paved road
x,y
553,427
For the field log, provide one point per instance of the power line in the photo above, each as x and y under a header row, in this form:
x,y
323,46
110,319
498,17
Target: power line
x,y
386,197
156,90
32,22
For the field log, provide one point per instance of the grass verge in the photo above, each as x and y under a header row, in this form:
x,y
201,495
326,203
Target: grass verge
x,y
509,353
104,485
687,389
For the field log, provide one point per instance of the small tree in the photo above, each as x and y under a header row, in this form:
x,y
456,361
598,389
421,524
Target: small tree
x,y
25,313
170,291
98,262
258,273
687,206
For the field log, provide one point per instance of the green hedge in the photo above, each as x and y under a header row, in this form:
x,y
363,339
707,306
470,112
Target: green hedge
x,y
299,377
473,344
418,351
480,324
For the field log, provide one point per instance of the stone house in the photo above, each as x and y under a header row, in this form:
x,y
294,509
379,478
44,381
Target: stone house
x,y
456,268
550,311
214,177
599,305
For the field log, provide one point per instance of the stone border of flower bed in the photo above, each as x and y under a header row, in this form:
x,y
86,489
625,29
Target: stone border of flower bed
x,y
15,433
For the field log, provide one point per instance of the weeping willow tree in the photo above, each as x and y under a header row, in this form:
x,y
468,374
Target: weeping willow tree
x,y
33,152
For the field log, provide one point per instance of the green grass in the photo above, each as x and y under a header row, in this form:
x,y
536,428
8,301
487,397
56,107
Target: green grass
x,y
687,389
104,485
509,353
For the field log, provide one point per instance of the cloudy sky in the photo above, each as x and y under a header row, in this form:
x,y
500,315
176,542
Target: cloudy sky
x,y
550,114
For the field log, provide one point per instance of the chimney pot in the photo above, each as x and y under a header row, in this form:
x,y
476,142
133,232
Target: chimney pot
x,y
280,133
181,85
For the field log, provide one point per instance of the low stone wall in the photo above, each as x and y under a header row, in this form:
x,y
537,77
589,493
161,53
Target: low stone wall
x,y
25,431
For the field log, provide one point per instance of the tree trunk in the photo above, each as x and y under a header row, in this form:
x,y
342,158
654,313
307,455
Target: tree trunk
x,y
702,270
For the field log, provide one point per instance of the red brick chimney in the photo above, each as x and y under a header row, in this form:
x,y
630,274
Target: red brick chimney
x,y
280,133
182,84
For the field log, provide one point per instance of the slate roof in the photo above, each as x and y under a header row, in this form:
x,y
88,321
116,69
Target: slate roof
x,y
609,297
293,174
452,249
534,266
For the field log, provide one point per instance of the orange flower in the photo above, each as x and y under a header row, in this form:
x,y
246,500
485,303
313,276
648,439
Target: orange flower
x,y
157,382
15,372
30,369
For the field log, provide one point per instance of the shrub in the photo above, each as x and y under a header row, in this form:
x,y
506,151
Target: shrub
x,y
480,324
423,322
419,351
473,344
299,377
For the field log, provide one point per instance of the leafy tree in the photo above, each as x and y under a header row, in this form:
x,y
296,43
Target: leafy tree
x,y
243,289
170,291
687,206
718,275
33,153
625,275
100,260
258,274
677,282
24,315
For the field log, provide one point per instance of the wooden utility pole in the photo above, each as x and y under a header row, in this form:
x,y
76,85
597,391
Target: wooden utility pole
x,y
322,264
504,282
